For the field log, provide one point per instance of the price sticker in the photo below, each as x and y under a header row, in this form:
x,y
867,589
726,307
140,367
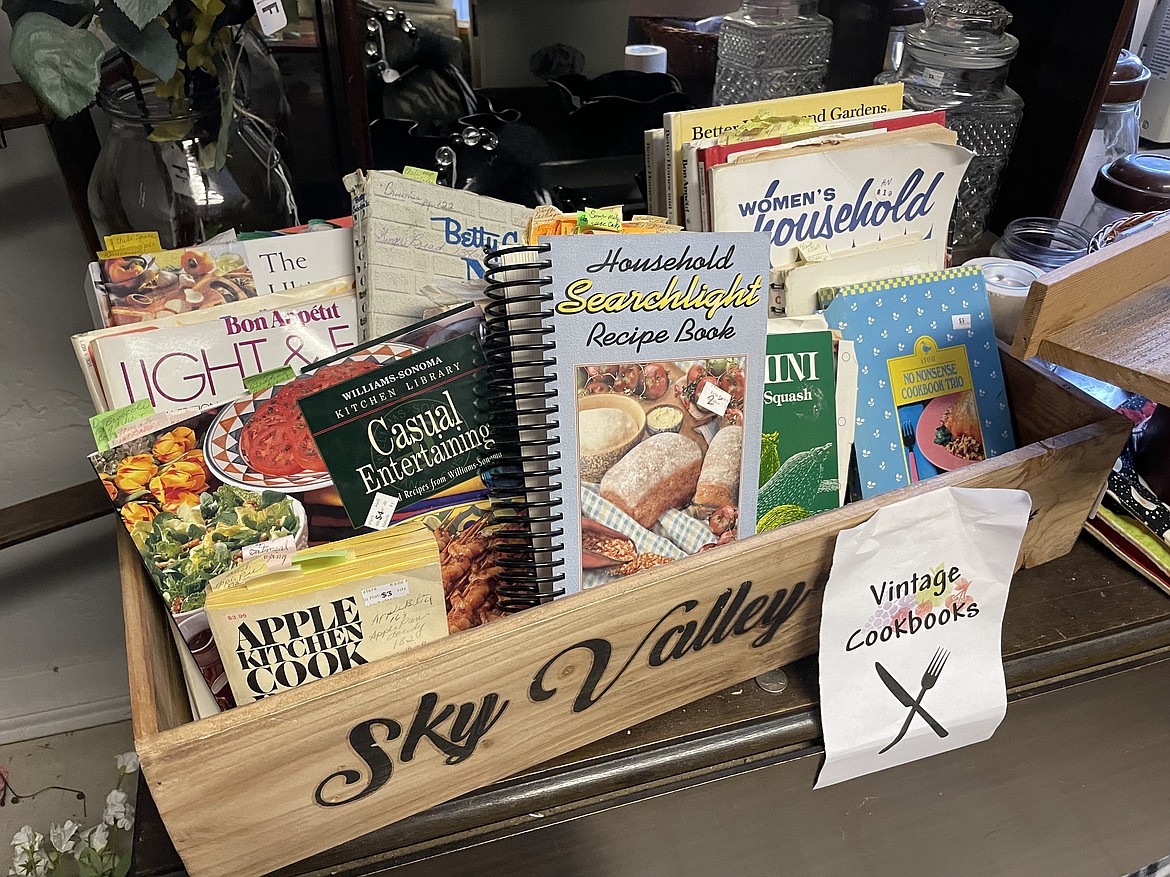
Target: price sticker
x,y
389,591
961,321
271,15
713,398
382,510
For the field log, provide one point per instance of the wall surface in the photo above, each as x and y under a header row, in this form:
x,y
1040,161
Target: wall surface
x,y
62,654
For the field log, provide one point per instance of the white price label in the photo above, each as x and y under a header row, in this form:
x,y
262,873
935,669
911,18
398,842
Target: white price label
x,y
272,16
713,398
961,321
277,553
389,591
381,511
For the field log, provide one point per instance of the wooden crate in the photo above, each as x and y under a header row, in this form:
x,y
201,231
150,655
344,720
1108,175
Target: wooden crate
x,y
267,784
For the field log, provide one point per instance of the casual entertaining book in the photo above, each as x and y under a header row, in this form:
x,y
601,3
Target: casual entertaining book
x,y
931,395
837,195
651,382
682,127
798,447
405,437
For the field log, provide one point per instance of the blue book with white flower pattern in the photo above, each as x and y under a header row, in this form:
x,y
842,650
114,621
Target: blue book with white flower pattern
x,y
930,395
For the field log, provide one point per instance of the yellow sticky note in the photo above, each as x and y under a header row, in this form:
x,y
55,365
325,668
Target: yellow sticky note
x,y
418,173
606,219
133,243
813,251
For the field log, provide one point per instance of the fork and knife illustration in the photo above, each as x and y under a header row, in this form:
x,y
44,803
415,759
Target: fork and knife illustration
x,y
914,704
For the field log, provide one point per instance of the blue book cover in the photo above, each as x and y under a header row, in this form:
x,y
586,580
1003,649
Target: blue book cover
x,y
930,395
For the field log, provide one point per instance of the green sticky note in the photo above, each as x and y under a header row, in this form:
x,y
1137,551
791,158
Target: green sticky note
x,y
105,425
261,382
605,219
322,559
423,176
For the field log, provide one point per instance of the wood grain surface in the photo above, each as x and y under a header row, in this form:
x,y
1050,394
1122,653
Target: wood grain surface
x,y
257,788
1080,291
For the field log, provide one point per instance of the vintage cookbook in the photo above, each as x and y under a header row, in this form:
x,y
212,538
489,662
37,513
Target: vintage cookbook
x,y
410,234
406,436
798,446
299,622
201,359
138,288
845,193
199,494
682,127
931,396
658,345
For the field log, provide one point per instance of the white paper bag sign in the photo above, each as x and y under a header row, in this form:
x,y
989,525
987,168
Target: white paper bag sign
x,y
910,657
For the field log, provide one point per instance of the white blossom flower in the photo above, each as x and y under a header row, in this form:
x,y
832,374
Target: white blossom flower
x,y
119,811
62,836
30,862
97,838
128,762
26,838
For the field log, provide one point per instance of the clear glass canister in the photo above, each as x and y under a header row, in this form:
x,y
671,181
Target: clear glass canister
x,y
958,61
1138,183
1046,243
772,48
1115,133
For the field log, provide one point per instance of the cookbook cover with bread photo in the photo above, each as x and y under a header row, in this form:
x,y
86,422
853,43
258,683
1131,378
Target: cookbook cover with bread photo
x,y
660,343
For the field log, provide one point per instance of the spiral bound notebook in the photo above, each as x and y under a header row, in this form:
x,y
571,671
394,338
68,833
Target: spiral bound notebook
x,y
625,381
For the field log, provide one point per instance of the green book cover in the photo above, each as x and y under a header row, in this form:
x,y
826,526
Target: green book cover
x,y
798,450
405,437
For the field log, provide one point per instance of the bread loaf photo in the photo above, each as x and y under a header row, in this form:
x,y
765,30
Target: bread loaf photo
x,y
719,478
658,474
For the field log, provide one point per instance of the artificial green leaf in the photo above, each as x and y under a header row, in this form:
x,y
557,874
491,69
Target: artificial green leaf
x,y
60,63
72,12
142,12
152,46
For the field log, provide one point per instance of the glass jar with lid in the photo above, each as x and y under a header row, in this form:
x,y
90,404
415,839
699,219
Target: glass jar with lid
x,y
1115,133
905,15
1137,183
958,61
1046,243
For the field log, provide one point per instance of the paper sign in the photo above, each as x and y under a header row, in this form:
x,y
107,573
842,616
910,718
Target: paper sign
x,y
263,381
910,657
133,243
271,15
418,173
105,425
381,514
277,553
713,398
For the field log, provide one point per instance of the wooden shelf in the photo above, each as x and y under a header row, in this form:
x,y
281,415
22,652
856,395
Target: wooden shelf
x,y
19,107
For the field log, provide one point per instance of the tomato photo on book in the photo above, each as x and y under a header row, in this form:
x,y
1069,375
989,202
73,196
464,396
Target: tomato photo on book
x,y
261,440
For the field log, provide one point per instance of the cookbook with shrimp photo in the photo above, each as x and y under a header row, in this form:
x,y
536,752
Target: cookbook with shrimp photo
x,y
930,395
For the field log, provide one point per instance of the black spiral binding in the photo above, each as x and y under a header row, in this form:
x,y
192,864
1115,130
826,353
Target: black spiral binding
x,y
520,407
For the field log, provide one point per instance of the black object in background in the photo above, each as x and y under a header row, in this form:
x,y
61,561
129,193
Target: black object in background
x,y
1067,52
861,29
